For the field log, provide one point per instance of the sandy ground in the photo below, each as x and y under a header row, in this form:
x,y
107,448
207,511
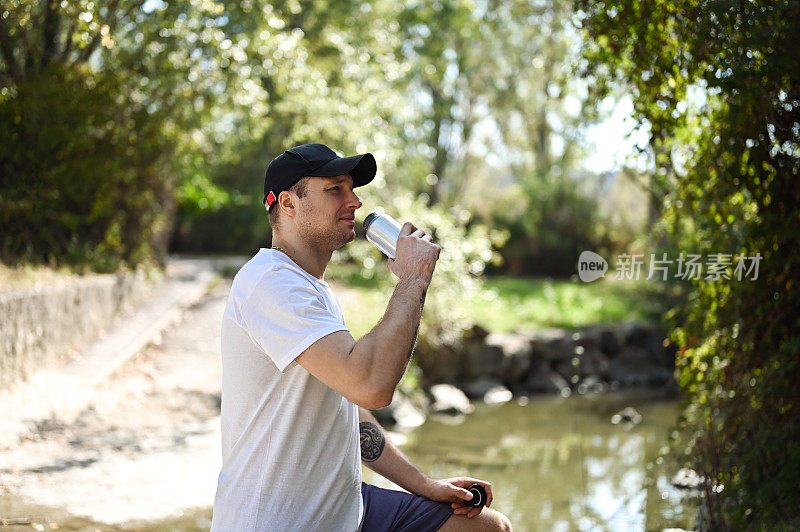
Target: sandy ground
x,y
147,447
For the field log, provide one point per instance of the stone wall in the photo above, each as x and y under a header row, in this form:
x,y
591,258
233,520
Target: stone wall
x,y
42,324
587,359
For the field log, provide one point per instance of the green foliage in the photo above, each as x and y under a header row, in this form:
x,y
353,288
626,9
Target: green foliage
x,y
219,210
81,173
106,102
509,304
232,84
717,83
560,221
186,103
306,72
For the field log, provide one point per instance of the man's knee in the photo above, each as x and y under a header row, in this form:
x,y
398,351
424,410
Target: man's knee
x,y
502,523
487,521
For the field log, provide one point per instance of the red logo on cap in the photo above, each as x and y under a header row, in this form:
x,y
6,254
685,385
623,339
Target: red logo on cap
x,y
270,198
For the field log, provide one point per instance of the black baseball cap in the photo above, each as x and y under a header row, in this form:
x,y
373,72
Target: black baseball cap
x,y
316,160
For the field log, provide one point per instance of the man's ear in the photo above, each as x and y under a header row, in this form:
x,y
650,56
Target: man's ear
x,y
286,203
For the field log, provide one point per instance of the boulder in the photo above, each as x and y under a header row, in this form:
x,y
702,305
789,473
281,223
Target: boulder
x,y
610,342
634,367
480,359
403,412
687,479
449,400
551,345
588,337
585,362
593,363
569,370
407,415
628,415
661,351
515,355
591,385
443,364
478,388
633,333
498,395
545,380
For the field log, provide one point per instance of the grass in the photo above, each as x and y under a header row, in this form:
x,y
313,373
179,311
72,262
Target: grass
x,y
518,303
515,304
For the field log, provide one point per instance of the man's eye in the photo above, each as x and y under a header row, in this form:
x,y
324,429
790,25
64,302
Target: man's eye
x,y
334,188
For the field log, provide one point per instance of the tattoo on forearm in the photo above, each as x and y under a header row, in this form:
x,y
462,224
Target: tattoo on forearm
x,y
372,441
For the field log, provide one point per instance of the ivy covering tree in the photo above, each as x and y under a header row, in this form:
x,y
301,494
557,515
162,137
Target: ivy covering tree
x,y
718,84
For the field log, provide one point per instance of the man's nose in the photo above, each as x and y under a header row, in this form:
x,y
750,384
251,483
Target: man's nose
x,y
353,201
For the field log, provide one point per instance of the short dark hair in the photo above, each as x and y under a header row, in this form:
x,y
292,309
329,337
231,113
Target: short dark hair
x,y
300,188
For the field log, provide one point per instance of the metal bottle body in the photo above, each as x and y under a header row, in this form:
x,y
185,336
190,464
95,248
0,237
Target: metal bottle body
x,y
383,231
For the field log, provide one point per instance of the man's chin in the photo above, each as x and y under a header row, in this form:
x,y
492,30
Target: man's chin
x,y
347,238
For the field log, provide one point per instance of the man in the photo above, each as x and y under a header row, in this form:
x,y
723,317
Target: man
x,y
296,386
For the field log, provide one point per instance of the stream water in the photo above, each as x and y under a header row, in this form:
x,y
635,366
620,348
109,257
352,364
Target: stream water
x,y
561,464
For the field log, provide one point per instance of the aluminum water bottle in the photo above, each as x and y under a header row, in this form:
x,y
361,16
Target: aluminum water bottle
x,y
383,231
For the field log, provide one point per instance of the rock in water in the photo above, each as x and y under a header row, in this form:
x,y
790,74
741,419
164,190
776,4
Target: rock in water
x,y
450,400
627,415
498,395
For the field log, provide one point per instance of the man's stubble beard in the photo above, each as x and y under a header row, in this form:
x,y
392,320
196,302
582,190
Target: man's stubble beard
x,y
327,240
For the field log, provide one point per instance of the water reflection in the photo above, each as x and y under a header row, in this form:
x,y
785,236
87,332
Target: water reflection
x,y
560,464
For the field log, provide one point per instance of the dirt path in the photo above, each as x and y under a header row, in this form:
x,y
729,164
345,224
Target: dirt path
x,y
147,448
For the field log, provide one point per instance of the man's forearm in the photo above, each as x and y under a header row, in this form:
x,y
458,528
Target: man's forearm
x,y
380,454
387,347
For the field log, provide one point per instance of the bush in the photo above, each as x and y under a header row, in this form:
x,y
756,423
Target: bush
x,y
558,221
223,213
84,179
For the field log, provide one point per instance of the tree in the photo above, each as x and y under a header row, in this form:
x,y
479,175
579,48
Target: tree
x,y
222,86
717,83
104,101
81,161
500,125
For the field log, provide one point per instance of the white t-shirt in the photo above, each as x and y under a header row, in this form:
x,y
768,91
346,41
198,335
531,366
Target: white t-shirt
x,y
290,446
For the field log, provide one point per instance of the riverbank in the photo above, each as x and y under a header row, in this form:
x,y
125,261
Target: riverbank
x,y
146,446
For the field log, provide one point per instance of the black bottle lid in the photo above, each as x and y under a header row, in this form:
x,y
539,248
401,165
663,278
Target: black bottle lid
x,y
478,496
369,219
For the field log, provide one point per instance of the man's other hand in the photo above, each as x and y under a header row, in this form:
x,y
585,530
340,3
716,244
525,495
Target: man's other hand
x,y
454,490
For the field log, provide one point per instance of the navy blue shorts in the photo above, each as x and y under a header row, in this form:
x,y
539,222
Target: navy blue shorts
x,y
398,511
